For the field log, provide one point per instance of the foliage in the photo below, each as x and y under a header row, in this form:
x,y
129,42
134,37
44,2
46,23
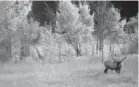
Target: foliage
x,y
74,28
75,22
12,21
131,28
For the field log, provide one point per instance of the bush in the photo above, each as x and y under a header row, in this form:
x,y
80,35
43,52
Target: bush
x,y
4,57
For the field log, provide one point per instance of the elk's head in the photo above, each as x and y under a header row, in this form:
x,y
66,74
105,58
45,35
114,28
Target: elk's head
x,y
119,61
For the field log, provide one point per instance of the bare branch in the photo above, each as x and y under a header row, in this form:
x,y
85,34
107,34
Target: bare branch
x,y
39,54
49,12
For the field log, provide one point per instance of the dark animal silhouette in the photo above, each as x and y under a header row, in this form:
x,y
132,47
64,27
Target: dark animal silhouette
x,y
114,65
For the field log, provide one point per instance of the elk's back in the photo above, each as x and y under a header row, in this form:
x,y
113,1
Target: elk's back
x,y
110,64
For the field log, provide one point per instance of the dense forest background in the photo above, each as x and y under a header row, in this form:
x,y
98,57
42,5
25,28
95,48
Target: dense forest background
x,y
57,30
67,43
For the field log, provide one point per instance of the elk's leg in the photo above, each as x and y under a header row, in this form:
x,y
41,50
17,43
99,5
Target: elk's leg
x,y
117,71
105,71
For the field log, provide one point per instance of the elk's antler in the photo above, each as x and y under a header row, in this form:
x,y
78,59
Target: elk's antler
x,y
124,58
113,57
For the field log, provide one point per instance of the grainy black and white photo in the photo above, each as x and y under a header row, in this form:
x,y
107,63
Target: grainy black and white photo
x,y
68,43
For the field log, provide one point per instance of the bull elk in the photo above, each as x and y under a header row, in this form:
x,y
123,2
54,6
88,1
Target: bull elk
x,y
114,65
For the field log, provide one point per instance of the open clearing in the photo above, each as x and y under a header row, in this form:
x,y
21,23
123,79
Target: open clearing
x,y
74,73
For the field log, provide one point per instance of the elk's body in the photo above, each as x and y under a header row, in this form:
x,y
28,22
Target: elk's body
x,y
113,65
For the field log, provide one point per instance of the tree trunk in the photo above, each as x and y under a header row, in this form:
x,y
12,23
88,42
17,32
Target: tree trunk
x,y
39,55
93,49
60,52
110,47
8,46
79,45
53,23
24,47
100,44
77,49
21,53
113,48
85,49
102,48
78,52
8,37
97,45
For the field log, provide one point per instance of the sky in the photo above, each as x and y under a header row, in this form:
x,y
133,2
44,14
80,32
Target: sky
x,y
127,8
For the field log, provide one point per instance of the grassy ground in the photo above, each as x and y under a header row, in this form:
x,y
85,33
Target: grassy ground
x,y
74,73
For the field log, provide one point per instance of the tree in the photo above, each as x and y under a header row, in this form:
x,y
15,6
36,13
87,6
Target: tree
x,y
111,25
7,30
88,21
131,29
75,22
68,20
71,23
19,12
39,13
19,28
100,14
108,25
